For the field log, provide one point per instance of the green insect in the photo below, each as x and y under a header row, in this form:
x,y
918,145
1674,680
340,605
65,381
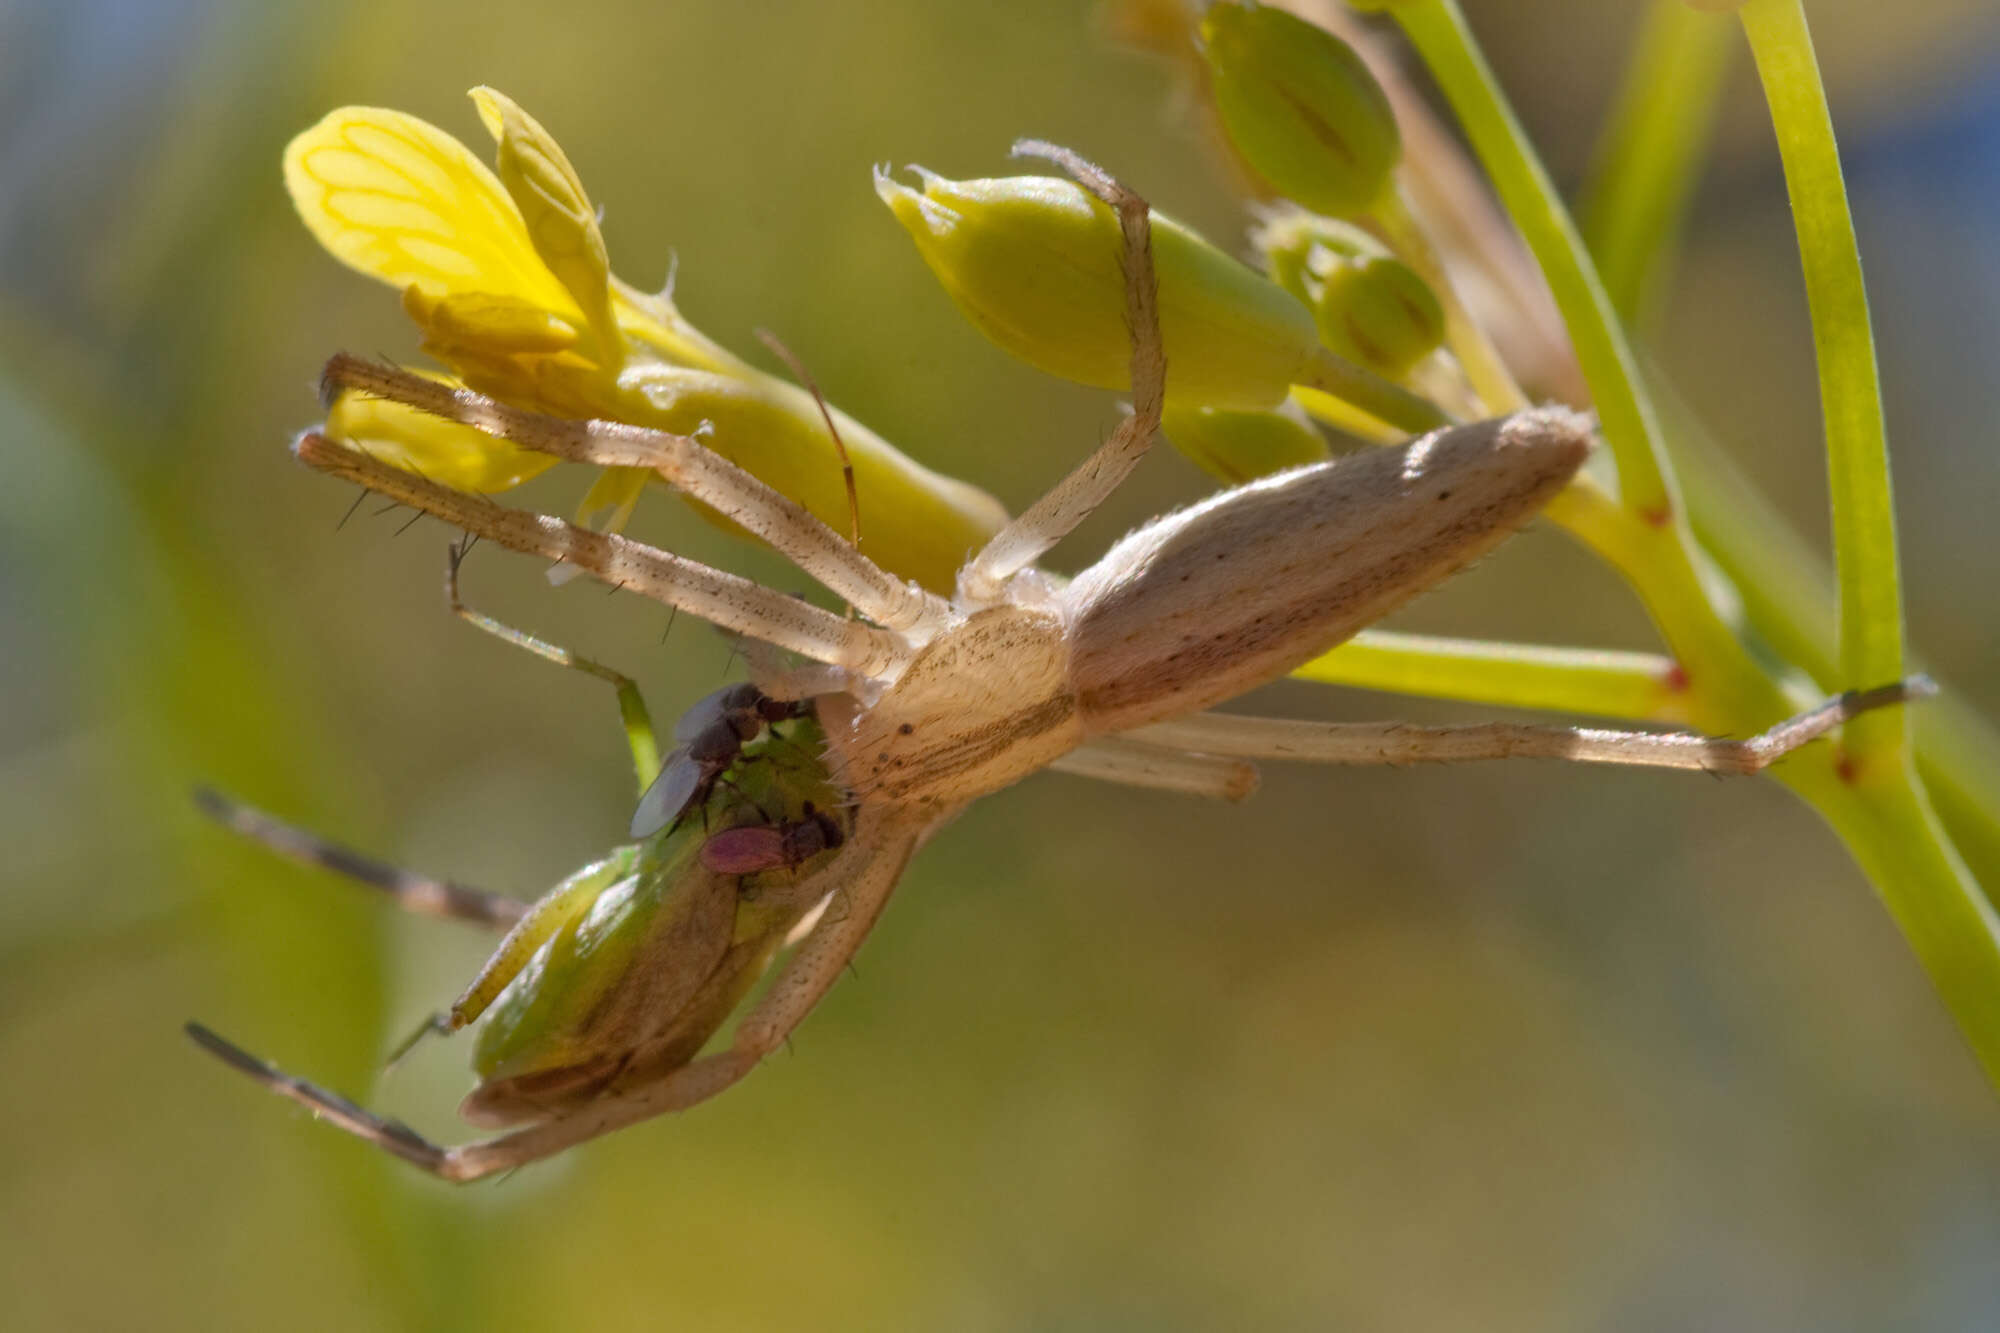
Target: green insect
x,y
618,976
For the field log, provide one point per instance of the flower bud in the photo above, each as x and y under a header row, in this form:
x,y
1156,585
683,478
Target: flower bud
x,y
1034,262
1377,312
1241,446
1296,246
1371,308
1301,107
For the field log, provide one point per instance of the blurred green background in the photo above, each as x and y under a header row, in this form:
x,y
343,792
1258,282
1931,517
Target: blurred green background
x,y
1507,1048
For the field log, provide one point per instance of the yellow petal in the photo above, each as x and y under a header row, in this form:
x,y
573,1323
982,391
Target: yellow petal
x,y
561,223
401,200
651,320
609,502
493,323
444,451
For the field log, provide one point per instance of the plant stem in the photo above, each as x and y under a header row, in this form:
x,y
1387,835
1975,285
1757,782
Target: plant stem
x,y
1633,686
1438,31
1650,154
1370,393
1894,835
1866,788
1864,521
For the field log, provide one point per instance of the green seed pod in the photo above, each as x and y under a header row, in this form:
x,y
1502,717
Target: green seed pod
x,y
1377,312
555,911
1241,446
1034,262
1301,107
649,947
575,1005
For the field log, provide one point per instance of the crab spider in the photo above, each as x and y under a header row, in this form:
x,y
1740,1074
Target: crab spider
x,y
929,703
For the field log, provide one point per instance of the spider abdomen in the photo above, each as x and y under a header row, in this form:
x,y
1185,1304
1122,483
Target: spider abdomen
x,y
1210,602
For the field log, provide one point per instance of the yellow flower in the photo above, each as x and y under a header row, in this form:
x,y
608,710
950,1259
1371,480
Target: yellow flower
x,y
507,277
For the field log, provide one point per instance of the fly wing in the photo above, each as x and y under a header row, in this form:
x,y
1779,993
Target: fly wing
x,y
669,795
712,707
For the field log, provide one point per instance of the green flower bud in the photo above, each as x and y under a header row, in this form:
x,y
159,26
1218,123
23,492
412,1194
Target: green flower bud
x,y
1301,107
1378,313
1297,246
1034,262
1371,308
1241,446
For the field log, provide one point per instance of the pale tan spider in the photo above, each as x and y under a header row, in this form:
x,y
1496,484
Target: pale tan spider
x,y
930,703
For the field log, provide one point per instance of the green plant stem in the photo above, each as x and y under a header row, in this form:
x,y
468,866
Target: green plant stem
x,y
1633,686
1870,796
1651,151
1787,596
1894,835
1343,416
1438,31
1370,393
1864,521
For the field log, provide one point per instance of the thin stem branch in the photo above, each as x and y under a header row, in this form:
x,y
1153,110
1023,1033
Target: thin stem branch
x,y
1651,152
1635,686
1439,32
1864,521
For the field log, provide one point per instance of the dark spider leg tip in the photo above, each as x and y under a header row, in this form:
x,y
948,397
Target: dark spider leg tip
x,y
393,1135
214,804
233,1055
332,377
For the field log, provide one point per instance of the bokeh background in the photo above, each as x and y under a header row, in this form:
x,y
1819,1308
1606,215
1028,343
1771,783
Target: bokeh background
x,y
1508,1048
